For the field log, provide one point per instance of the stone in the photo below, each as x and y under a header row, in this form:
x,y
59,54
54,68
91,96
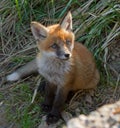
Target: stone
x,y
106,116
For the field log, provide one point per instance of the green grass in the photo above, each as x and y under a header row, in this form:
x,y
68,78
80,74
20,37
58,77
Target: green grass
x,y
21,59
95,23
19,107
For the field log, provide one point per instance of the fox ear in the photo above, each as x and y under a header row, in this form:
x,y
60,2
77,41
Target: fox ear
x,y
39,31
67,22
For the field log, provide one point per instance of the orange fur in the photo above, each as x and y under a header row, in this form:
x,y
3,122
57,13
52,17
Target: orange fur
x,y
83,74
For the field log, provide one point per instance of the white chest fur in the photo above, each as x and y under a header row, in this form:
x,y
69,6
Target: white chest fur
x,y
53,70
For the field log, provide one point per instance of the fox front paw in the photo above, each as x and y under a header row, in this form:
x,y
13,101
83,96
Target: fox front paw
x,y
51,118
46,108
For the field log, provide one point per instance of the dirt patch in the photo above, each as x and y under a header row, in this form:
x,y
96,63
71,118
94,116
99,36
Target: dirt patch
x,y
114,58
4,123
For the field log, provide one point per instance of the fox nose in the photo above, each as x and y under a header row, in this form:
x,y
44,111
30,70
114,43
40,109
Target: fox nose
x,y
67,55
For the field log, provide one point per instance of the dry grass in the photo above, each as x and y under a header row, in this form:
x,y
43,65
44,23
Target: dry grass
x,y
96,24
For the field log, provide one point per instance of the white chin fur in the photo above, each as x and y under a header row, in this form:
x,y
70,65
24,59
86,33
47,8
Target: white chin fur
x,y
13,77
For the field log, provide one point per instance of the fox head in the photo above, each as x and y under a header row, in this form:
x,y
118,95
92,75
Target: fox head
x,y
56,41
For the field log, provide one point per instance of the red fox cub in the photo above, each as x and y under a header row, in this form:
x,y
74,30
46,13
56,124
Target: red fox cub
x,y
66,65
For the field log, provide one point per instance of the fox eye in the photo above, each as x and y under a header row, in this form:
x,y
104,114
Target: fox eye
x,y
54,46
68,42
